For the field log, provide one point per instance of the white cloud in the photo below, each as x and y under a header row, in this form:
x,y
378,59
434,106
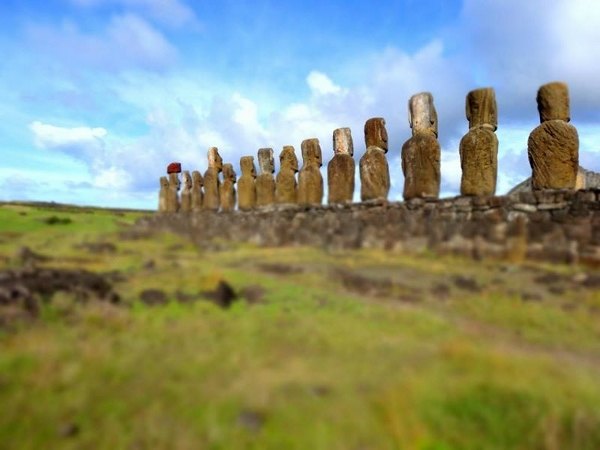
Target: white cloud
x,y
321,84
75,139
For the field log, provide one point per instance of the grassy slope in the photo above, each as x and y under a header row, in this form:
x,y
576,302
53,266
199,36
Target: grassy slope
x,y
315,365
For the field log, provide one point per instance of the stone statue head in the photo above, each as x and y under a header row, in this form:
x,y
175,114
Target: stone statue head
x,y
376,134
174,181
553,102
266,161
247,166
342,142
197,179
229,173
311,152
164,183
481,108
287,158
422,115
214,159
187,179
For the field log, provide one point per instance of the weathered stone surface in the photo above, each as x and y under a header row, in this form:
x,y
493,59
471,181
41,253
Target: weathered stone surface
x,y
553,102
286,187
376,134
479,162
186,192
227,191
163,194
553,150
212,183
586,179
265,182
421,166
247,184
422,115
197,193
310,180
374,175
481,108
340,170
173,193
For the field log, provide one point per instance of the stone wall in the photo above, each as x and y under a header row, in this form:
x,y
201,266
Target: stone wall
x,y
560,226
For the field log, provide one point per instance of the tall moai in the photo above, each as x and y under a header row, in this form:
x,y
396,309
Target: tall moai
x,y
186,192
374,169
286,186
212,183
310,180
479,147
340,170
173,171
163,195
247,184
227,190
553,147
421,153
265,181
197,194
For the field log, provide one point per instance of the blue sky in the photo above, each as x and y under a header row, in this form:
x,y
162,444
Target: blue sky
x,y
98,96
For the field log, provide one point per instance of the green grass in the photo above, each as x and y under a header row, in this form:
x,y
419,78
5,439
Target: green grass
x,y
313,365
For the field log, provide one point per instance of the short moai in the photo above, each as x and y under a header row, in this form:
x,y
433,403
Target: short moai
x,y
163,195
186,192
310,180
247,184
197,194
553,147
227,190
340,170
421,153
479,147
265,181
173,171
286,186
374,169
212,183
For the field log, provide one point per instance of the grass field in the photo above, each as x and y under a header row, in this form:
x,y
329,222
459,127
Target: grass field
x,y
352,350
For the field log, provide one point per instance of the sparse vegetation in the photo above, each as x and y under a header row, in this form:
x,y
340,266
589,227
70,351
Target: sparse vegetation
x,y
347,350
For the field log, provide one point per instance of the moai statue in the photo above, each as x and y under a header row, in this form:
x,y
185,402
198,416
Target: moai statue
x,y
340,170
227,190
374,169
247,184
197,194
212,183
186,192
265,182
421,153
163,194
553,147
173,171
479,147
310,180
286,187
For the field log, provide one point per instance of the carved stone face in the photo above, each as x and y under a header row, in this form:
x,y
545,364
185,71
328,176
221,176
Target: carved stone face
x,y
422,115
247,166
481,108
266,161
197,179
311,152
288,159
342,142
164,183
214,159
187,179
376,134
174,181
229,173
553,102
